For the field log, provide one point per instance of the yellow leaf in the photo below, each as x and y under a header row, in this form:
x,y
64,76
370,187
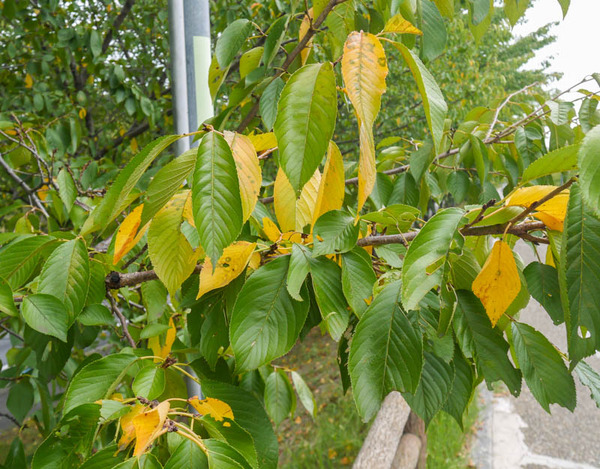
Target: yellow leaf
x,y
551,212
149,426
304,27
188,210
214,407
294,214
28,81
43,192
254,261
364,68
159,350
248,170
498,283
397,24
126,237
271,230
263,142
127,426
82,113
232,263
133,144
333,184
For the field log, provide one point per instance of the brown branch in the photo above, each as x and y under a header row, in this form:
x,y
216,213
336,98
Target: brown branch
x,y
36,201
119,314
117,24
521,231
116,280
291,57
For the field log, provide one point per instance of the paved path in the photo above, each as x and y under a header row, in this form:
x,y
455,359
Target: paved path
x,y
517,433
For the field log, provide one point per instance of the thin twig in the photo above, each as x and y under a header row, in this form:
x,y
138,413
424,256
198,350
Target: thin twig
x,y
117,312
504,103
13,333
11,418
36,201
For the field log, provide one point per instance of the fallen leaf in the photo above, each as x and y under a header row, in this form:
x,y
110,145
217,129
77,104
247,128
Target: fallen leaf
x,y
498,283
148,426
232,263
210,406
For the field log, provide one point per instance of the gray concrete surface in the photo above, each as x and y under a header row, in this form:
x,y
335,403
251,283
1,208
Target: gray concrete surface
x,y
517,433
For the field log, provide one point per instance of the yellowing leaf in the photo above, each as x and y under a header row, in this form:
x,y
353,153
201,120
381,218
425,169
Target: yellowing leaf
x,y
214,407
397,24
232,263
294,214
42,192
304,27
133,144
271,230
551,212
163,350
498,283
364,68
248,170
28,81
82,113
254,262
149,426
126,237
262,142
333,184
127,426
188,210
550,258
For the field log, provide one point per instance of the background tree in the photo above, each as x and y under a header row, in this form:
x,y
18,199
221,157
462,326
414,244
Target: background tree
x,y
121,270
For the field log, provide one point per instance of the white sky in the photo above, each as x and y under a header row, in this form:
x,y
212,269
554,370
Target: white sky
x,y
576,52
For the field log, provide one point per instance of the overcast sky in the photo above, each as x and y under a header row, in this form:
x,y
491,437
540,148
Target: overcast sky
x,y
576,52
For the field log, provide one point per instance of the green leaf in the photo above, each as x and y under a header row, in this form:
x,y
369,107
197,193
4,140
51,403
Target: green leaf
x,y
152,330
96,315
305,121
166,183
119,190
66,189
542,282
327,284
386,353
590,379
233,434
95,43
149,382
298,270
171,254
334,232
579,277
489,346
358,278
232,40
106,457
275,35
20,399
97,380
398,216
214,333
543,368
269,100
434,30
305,394
433,390
223,456
216,196
19,259
433,99
589,172
266,321
250,415
187,455
148,461
514,9
564,5
480,10
462,389
428,249
7,303
250,60
557,161
279,396
66,274
46,314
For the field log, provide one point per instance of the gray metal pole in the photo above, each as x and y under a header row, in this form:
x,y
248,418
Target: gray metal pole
x,y
189,25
